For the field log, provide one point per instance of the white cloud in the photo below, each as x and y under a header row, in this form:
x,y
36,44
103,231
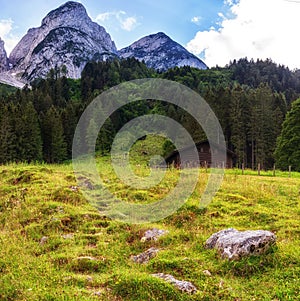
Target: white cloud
x,y
125,22
259,29
10,40
196,20
5,27
129,23
103,17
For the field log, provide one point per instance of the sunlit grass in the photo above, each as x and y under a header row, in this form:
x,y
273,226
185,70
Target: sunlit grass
x,y
42,200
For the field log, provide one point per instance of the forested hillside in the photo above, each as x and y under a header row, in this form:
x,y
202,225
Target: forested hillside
x,y
250,99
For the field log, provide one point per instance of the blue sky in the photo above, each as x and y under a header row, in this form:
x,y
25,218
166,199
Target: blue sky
x,y
147,16
216,30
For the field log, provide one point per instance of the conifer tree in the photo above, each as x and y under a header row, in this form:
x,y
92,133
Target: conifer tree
x,y
237,124
28,133
7,137
32,132
288,151
54,145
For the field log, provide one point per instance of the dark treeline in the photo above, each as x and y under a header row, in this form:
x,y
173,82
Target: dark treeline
x,y
38,124
250,99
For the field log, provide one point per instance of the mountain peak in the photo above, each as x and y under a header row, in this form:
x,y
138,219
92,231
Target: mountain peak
x,y
70,5
70,11
67,7
67,36
152,41
160,52
159,35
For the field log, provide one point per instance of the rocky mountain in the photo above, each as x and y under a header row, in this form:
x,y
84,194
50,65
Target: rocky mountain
x,y
67,36
161,53
3,57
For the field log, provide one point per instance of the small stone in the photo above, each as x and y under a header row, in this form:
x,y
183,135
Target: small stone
x,y
43,240
221,284
207,273
233,244
68,236
60,209
99,294
153,234
145,256
86,183
89,279
184,286
74,188
86,258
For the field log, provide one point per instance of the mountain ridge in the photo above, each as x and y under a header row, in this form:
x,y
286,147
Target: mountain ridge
x,y
160,52
68,36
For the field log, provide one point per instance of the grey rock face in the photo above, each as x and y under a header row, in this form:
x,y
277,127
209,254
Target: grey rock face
x,y
67,36
161,53
153,234
9,79
184,286
3,57
145,256
233,244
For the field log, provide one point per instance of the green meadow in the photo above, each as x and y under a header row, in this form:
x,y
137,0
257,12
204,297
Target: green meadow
x,y
86,256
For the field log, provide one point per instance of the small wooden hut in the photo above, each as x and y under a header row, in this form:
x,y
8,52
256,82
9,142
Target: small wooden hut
x,y
205,158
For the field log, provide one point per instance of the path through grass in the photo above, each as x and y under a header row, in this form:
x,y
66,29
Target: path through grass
x,y
42,201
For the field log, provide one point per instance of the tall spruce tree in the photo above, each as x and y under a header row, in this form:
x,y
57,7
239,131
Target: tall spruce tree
x,y
54,145
262,127
28,133
237,124
70,118
32,132
7,136
288,151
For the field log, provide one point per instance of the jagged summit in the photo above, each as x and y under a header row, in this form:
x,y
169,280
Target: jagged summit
x,y
73,14
67,36
151,42
70,10
160,52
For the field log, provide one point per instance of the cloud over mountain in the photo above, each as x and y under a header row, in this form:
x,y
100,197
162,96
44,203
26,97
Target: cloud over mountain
x,y
258,29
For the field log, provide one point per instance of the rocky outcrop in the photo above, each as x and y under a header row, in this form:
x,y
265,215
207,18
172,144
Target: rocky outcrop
x,y
67,36
153,234
11,80
183,286
233,244
145,256
3,57
160,52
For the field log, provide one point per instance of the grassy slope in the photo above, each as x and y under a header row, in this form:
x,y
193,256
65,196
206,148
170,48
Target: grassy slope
x,y
37,201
